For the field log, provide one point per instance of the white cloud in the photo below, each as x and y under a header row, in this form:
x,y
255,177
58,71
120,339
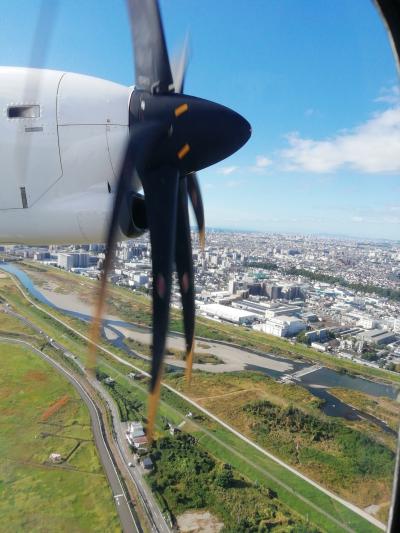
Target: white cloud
x,y
389,95
378,219
226,171
263,161
372,147
377,214
234,183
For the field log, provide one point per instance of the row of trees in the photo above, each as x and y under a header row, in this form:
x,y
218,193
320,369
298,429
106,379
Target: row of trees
x,y
391,294
385,292
129,406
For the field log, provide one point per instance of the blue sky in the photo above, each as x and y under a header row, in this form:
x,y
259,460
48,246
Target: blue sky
x,y
316,80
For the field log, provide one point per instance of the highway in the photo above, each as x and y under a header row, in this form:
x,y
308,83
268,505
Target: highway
x,y
130,523
330,494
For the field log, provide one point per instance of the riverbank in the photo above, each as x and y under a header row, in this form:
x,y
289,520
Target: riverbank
x,y
235,358
134,307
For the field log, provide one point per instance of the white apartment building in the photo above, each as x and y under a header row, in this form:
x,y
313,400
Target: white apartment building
x,y
367,322
230,314
283,326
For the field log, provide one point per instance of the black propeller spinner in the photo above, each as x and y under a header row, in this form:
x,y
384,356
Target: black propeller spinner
x,y
172,136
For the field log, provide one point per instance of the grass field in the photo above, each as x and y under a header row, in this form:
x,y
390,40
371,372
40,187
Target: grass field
x,y
286,420
12,327
186,477
40,413
74,343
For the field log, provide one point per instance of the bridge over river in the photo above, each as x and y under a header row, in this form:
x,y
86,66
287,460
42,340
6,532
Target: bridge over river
x,y
300,373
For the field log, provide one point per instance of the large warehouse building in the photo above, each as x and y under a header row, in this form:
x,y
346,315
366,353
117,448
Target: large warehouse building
x,y
282,326
229,314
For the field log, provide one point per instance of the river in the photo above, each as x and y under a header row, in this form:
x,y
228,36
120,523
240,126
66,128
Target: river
x,y
317,382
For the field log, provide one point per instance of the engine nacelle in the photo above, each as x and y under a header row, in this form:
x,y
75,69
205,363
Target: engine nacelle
x,y
62,137
133,219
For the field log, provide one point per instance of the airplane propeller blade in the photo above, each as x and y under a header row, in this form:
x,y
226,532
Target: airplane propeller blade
x,y
43,33
161,194
141,141
390,12
172,136
179,66
183,253
197,203
152,68
184,267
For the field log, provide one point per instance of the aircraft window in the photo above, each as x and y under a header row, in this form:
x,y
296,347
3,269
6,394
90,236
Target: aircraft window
x,y
24,111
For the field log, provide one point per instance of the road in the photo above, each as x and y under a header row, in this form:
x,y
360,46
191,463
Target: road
x,y
330,494
129,522
149,503
136,473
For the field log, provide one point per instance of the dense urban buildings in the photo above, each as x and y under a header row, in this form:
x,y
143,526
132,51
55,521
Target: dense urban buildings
x,y
338,295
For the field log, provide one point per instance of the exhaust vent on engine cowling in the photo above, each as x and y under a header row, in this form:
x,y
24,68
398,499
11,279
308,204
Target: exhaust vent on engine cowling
x,y
133,219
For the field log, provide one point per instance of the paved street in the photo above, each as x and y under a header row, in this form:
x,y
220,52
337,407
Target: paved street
x,y
136,472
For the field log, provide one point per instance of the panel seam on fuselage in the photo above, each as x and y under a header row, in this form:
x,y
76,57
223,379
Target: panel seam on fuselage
x,y
92,124
59,150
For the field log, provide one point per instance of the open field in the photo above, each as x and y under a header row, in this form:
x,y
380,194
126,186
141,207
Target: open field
x,y
135,307
172,353
40,414
188,477
50,327
286,420
10,326
294,492
248,461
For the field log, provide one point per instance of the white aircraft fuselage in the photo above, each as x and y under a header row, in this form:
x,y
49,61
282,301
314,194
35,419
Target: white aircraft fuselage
x,y
62,136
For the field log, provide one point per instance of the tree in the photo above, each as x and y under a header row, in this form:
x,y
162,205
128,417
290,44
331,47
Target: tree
x,y
369,356
301,337
224,477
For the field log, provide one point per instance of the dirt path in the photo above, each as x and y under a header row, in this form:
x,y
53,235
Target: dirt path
x,y
222,395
